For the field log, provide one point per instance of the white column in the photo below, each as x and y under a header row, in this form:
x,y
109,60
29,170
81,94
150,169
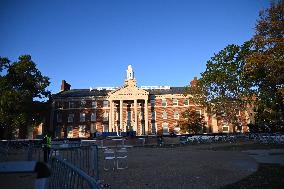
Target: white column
x,y
135,118
120,114
146,116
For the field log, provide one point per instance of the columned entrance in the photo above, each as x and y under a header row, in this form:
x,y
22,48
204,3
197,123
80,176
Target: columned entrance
x,y
125,101
124,117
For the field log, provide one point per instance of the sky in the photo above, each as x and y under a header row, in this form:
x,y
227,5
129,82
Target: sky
x,y
90,43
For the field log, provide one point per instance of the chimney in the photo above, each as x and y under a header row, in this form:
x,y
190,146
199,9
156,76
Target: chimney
x,y
65,86
194,81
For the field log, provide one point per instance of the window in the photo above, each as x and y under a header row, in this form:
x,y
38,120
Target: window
x,y
164,102
105,118
70,132
94,104
165,128
70,118
176,129
175,102
176,115
153,115
105,127
105,103
82,130
59,117
59,105
198,112
186,102
165,115
71,105
93,116
83,103
225,129
93,128
82,117
152,101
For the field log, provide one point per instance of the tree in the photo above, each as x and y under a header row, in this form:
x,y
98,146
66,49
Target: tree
x,y
221,88
191,122
264,69
22,91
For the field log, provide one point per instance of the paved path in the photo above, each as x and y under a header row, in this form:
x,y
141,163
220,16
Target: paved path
x,y
180,167
267,156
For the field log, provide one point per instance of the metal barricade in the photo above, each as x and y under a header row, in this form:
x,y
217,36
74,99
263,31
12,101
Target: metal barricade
x,y
66,175
83,157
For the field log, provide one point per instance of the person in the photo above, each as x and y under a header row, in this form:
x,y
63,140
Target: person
x,y
46,144
160,141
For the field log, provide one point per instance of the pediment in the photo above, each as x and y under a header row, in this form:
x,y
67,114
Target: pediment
x,y
128,93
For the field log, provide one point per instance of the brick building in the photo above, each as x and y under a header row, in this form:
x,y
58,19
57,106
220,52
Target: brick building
x,y
147,110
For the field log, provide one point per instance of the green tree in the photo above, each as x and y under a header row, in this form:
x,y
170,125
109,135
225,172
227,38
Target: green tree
x,y
22,94
221,88
191,122
264,69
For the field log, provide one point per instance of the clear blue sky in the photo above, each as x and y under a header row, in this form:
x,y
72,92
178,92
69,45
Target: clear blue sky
x,y
91,42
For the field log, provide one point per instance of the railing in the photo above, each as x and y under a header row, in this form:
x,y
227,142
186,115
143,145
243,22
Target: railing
x,y
66,175
83,157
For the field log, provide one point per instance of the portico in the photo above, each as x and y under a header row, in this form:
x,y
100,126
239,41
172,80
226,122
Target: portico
x,y
129,99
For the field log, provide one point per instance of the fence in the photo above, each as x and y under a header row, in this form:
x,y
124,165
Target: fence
x,y
80,162
66,175
83,157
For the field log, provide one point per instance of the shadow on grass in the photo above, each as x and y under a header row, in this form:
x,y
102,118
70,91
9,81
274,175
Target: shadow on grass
x,y
267,176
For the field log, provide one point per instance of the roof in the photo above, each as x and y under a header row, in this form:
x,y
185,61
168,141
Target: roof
x,y
81,93
172,90
104,92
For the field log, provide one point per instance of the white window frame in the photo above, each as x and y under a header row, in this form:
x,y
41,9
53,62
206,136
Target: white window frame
x,y
83,103
82,131
94,104
198,113
104,127
176,115
186,104
71,104
69,132
70,118
165,115
164,125
105,104
175,103
93,116
82,117
225,126
105,116
164,101
93,127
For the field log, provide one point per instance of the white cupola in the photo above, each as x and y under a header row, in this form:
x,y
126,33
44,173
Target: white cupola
x,y
129,73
